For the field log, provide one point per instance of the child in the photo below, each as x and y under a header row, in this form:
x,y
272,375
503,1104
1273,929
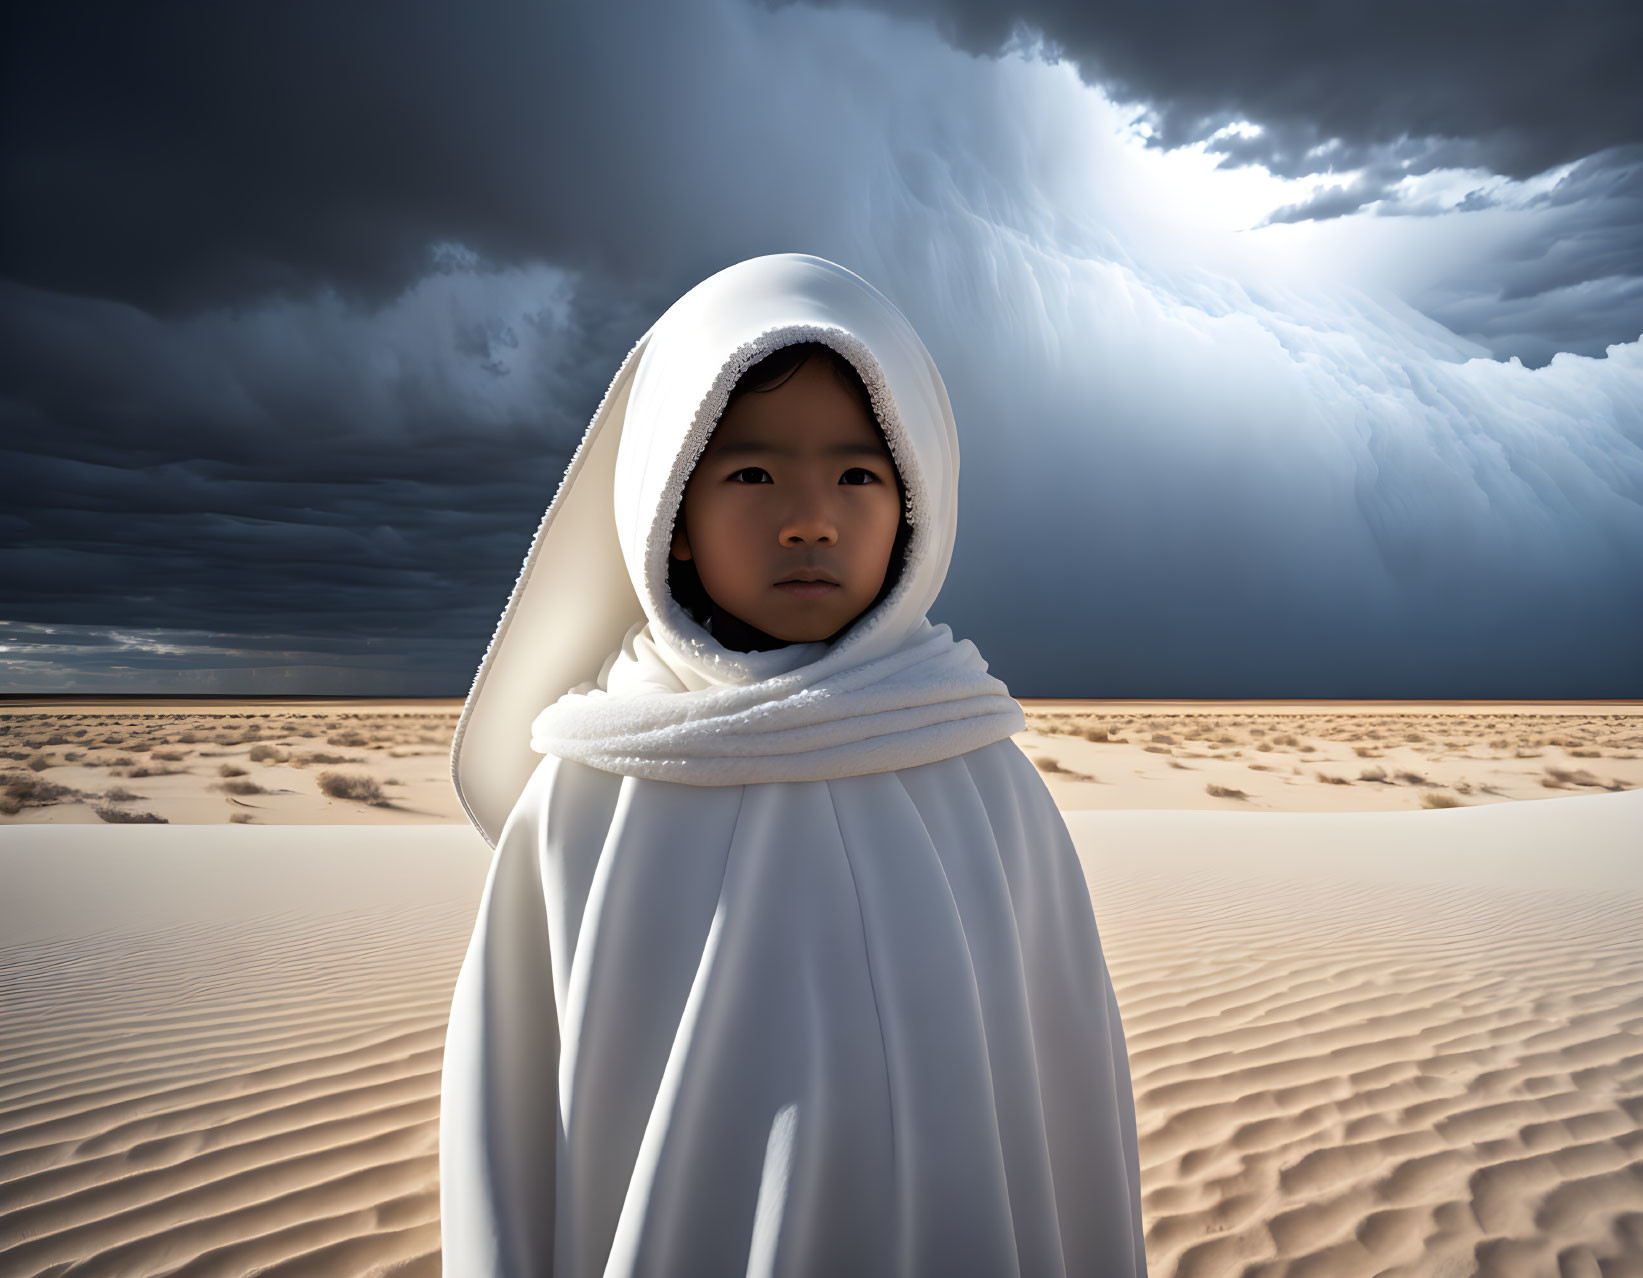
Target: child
x,y
785,963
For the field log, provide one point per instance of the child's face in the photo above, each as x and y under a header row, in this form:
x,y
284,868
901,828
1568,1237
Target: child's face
x,y
795,483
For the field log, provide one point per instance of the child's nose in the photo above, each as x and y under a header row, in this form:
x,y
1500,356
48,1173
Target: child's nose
x,y
809,520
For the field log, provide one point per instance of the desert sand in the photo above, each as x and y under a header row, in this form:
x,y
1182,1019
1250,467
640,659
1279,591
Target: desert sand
x,y
301,762
1363,1042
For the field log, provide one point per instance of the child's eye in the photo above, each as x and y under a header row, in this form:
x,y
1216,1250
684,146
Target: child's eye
x,y
752,475
858,475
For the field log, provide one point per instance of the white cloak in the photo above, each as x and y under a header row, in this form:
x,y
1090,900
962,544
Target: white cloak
x,y
852,1027
785,964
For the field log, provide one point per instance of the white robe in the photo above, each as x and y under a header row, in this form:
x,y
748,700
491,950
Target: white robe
x,y
842,1027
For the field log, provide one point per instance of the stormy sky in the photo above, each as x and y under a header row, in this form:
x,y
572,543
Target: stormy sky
x,y
1294,357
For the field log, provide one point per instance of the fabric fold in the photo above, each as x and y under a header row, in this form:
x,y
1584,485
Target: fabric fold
x,y
930,699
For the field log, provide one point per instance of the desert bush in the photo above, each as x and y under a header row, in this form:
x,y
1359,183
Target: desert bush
x,y
1288,739
27,790
1586,754
303,760
1262,767
229,770
170,756
1094,734
1329,780
1366,752
56,738
1566,777
269,754
1412,778
38,763
1373,774
1440,801
119,794
120,816
240,818
353,740
1048,765
1157,749
240,787
1162,738
1223,792
341,786
123,761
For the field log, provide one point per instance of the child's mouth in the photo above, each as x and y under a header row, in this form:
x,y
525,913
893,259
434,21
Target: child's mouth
x,y
806,589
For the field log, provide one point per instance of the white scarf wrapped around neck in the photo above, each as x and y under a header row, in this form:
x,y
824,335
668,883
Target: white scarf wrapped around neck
x,y
651,716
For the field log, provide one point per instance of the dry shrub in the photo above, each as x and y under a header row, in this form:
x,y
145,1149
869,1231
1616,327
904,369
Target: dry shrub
x,y
124,761
1157,749
229,770
269,754
341,786
1440,801
119,794
1048,765
303,760
20,790
155,772
1262,767
240,818
353,740
39,763
1094,734
1185,767
1412,778
170,756
119,816
1163,738
1329,780
1373,774
56,738
1527,754
1587,754
1223,792
1288,739
240,787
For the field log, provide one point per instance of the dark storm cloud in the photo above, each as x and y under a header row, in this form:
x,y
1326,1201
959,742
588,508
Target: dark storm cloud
x,y
306,306
1379,94
1520,86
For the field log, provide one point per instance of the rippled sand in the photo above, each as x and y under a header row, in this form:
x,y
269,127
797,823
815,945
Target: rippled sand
x,y
1362,1043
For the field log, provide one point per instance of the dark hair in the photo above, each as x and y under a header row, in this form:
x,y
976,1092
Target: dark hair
x,y
766,375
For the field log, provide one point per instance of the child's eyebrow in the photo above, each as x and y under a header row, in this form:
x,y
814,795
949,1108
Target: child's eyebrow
x,y
770,450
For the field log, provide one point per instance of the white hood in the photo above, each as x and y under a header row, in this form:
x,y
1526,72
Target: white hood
x,y
591,614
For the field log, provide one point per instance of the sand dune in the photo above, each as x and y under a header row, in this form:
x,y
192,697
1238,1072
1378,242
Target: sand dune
x,y
221,1053
1372,1043
1401,1043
